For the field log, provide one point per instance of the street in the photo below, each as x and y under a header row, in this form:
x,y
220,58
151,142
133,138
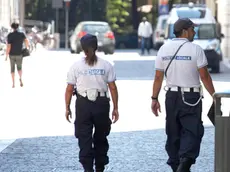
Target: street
x,y
35,137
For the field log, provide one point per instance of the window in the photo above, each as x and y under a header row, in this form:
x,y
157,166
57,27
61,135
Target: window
x,y
191,13
163,23
206,31
92,28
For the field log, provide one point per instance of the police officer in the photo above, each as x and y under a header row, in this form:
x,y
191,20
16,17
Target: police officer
x,y
184,64
92,77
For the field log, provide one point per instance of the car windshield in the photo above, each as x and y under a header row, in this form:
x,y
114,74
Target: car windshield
x,y
191,13
203,31
163,24
92,28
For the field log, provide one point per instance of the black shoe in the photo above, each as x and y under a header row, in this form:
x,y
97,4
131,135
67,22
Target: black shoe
x,y
174,168
185,165
100,169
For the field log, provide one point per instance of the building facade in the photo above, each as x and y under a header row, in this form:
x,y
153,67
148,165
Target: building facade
x,y
11,10
220,9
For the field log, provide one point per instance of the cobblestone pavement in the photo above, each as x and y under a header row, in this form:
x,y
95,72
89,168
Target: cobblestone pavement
x,y
139,151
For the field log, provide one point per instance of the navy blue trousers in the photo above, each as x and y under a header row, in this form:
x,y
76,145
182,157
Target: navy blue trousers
x,y
145,43
92,126
184,127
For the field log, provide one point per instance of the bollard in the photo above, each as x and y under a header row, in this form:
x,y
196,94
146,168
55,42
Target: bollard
x,y
222,135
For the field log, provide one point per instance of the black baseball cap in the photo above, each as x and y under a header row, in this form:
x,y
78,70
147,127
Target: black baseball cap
x,y
183,23
89,41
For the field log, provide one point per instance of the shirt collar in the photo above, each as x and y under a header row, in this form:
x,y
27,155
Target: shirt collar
x,y
180,39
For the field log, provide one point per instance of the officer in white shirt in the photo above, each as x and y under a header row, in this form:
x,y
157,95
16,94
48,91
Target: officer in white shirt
x,y
184,126
144,33
92,77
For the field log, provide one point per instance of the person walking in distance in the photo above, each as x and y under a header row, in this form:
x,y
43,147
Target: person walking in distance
x,y
15,42
144,35
92,77
183,63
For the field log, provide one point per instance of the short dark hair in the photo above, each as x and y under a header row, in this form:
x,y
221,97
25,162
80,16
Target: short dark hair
x,y
14,26
178,34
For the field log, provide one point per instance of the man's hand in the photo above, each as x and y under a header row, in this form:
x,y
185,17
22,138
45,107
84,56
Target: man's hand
x,y
115,115
139,39
68,115
156,107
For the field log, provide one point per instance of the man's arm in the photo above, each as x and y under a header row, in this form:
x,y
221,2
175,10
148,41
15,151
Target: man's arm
x,y
114,93
26,43
139,30
159,76
202,63
207,80
68,95
8,47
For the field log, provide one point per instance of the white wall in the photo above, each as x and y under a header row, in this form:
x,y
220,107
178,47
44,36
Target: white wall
x,y
224,19
8,11
211,5
5,14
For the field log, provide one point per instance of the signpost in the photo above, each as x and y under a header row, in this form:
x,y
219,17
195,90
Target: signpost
x,y
57,4
163,7
67,5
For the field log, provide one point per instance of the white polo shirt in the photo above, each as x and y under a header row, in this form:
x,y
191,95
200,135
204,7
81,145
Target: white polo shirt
x,y
145,29
87,77
183,71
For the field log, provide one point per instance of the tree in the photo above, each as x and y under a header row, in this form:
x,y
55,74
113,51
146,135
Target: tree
x,y
118,15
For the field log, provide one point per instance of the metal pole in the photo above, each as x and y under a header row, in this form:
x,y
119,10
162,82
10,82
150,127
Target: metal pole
x,y
22,12
66,26
57,18
90,10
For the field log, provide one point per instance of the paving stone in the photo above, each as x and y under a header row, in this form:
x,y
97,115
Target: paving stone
x,y
139,151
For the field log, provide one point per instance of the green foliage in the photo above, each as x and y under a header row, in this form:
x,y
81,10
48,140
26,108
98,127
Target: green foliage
x,y
118,15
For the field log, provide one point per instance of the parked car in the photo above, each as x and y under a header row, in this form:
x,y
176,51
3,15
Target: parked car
x,y
126,40
158,39
105,36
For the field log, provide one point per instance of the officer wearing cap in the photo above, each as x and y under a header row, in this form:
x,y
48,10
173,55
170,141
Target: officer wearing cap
x,y
92,76
183,63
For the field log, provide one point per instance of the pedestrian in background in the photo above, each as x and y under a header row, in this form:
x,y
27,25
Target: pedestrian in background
x,y
184,64
15,42
218,29
92,77
145,32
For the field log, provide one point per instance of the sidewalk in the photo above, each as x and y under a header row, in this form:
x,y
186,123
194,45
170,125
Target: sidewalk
x,y
226,62
140,151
